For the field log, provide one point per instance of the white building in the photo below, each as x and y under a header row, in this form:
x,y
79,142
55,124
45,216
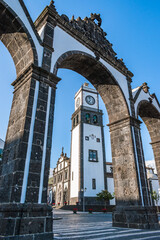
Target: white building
x,y
110,181
152,177
60,182
1,148
87,148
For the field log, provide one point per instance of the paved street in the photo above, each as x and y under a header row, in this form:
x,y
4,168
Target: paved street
x,y
95,226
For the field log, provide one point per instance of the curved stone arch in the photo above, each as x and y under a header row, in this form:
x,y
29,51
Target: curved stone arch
x,y
148,109
17,39
151,117
120,121
100,77
140,96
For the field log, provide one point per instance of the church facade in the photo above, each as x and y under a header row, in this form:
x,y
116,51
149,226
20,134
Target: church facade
x,y
60,186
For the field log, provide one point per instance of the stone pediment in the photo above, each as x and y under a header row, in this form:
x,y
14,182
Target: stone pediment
x,y
91,30
88,31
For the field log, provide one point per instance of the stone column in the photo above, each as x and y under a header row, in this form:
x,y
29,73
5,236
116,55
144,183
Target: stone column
x,y
132,206
26,158
153,125
156,150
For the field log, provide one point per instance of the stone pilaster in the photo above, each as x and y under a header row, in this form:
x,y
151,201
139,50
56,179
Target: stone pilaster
x,y
129,177
156,150
26,158
47,22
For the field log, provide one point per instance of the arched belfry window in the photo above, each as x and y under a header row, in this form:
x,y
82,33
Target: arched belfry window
x,y
77,119
74,122
95,119
88,118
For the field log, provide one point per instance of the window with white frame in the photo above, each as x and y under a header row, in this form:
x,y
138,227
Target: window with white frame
x,y
93,156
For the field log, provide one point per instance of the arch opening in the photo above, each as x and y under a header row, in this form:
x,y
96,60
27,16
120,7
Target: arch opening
x,y
151,118
100,77
17,39
66,89
119,121
8,75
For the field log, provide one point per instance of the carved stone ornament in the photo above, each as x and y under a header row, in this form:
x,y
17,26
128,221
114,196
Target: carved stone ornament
x,y
94,32
145,87
52,6
90,33
96,17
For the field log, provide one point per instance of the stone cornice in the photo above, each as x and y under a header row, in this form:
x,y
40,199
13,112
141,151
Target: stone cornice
x,y
156,142
38,74
127,120
47,15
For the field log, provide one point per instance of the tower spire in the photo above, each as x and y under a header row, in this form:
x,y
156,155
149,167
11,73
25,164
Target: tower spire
x,y
62,154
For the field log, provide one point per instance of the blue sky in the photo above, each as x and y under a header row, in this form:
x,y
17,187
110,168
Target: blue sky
x,y
132,27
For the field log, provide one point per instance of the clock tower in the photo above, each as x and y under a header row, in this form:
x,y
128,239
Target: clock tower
x,y
87,148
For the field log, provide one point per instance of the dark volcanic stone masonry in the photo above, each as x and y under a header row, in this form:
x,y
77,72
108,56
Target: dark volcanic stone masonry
x,y
24,170
26,221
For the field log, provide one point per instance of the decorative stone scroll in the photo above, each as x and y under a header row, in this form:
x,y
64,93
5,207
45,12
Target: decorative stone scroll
x,y
93,31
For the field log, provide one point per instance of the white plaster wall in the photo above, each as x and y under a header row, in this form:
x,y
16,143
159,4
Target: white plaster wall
x,y
63,42
66,164
82,95
66,185
1,144
108,168
145,96
93,169
75,162
94,95
78,96
41,32
110,188
16,7
121,79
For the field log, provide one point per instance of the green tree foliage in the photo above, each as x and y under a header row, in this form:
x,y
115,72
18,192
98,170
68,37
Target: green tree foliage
x,y
105,196
155,197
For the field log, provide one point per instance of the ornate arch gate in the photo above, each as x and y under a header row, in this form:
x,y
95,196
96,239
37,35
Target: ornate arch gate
x,y
148,108
38,51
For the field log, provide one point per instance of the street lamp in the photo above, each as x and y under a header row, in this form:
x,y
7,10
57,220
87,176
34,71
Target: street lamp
x,y
83,190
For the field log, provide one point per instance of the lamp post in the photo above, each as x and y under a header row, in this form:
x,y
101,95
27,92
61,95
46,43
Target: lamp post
x,y
83,190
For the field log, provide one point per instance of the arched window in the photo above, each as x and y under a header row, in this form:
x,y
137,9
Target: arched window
x,y
88,119
74,122
95,119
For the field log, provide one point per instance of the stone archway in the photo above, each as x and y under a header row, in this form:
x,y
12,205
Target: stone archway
x,y
17,39
128,169
25,167
26,157
151,117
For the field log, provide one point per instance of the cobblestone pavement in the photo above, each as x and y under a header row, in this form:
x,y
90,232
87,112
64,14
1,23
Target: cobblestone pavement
x,y
95,226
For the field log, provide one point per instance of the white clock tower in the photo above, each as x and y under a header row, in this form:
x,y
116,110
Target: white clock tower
x,y
87,148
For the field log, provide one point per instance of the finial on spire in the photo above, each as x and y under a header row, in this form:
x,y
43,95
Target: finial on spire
x,y
51,2
52,5
145,87
62,154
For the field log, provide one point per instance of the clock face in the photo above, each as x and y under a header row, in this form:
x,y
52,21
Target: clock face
x,y
78,102
90,100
